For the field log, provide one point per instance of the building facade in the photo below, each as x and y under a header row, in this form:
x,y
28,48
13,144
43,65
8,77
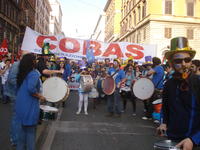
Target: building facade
x,y
156,22
42,16
112,11
99,31
26,16
55,18
9,23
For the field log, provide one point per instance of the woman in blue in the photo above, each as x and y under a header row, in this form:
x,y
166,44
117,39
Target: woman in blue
x,y
27,102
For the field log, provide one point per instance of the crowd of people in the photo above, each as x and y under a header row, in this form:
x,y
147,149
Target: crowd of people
x,y
176,82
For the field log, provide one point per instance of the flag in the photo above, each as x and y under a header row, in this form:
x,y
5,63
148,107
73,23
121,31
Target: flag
x,y
4,47
90,53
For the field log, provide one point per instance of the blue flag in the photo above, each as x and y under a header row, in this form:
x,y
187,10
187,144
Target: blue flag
x,y
90,53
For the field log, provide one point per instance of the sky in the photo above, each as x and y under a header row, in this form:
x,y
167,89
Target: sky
x,y
80,17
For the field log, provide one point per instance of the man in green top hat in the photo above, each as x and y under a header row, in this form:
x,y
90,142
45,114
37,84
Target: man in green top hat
x,y
181,103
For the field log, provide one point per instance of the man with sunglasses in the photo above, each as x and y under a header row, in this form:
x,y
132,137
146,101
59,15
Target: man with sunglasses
x,y
181,107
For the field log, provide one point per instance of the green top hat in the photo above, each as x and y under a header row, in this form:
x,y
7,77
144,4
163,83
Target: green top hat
x,y
45,50
179,44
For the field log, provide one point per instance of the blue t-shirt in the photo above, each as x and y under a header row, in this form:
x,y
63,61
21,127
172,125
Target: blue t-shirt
x,y
27,107
158,77
119,76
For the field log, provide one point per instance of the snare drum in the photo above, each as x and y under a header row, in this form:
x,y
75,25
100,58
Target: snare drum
x,y
165,145
55,89
157,105
48,112
86,83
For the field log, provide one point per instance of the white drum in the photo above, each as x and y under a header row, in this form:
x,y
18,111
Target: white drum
x,y
55,89
143,88
86,83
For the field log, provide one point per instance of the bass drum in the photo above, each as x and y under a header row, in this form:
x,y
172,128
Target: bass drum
x,y
55,89
143,88
86,83
108,85
67,93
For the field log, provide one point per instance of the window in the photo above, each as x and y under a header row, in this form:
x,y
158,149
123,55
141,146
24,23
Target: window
x,y
133,38
168,33
168,6
139,13
134,17
190,8
138,37
144,34
190,34
133,3
130,21
144,9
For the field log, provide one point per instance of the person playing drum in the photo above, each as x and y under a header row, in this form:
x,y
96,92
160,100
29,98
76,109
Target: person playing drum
x,y
126,92
27,102
83,96
157,79
113,100
181,101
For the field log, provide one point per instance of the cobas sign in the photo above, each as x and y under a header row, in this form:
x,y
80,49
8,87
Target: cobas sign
x,y
77,48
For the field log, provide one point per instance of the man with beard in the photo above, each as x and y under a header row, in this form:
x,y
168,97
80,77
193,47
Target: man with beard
x,y
181,101
113,100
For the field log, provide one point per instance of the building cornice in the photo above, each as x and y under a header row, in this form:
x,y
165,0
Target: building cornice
x,y
107,5
174,21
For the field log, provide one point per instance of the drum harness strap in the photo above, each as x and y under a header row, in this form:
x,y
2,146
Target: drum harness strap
x,y
115,73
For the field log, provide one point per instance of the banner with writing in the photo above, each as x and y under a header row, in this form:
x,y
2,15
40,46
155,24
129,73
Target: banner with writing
x,y
73,48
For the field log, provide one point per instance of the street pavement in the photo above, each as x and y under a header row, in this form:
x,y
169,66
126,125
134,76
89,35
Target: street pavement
x,y
95,131
5,115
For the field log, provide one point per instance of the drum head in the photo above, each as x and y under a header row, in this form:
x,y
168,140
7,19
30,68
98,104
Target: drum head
x,y
143,88
47,108
108,85
158,101
86,83
54,89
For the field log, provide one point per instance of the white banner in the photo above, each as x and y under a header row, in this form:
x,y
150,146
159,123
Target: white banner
x,y
76,48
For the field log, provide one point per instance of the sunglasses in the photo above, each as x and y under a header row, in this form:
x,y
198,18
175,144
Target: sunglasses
x,y
179,61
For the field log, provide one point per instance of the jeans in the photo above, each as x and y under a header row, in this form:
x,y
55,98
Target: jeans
x,y
14,126
5,98
27,137
114,102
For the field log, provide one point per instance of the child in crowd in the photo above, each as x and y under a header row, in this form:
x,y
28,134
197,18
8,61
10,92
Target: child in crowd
x,y
83,96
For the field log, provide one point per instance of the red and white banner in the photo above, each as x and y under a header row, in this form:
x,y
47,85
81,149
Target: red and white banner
x,y
76,48
4,47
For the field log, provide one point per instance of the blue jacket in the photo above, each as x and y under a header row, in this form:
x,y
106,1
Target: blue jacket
x,y
119,76
11,83
181,112
67,72
27,106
